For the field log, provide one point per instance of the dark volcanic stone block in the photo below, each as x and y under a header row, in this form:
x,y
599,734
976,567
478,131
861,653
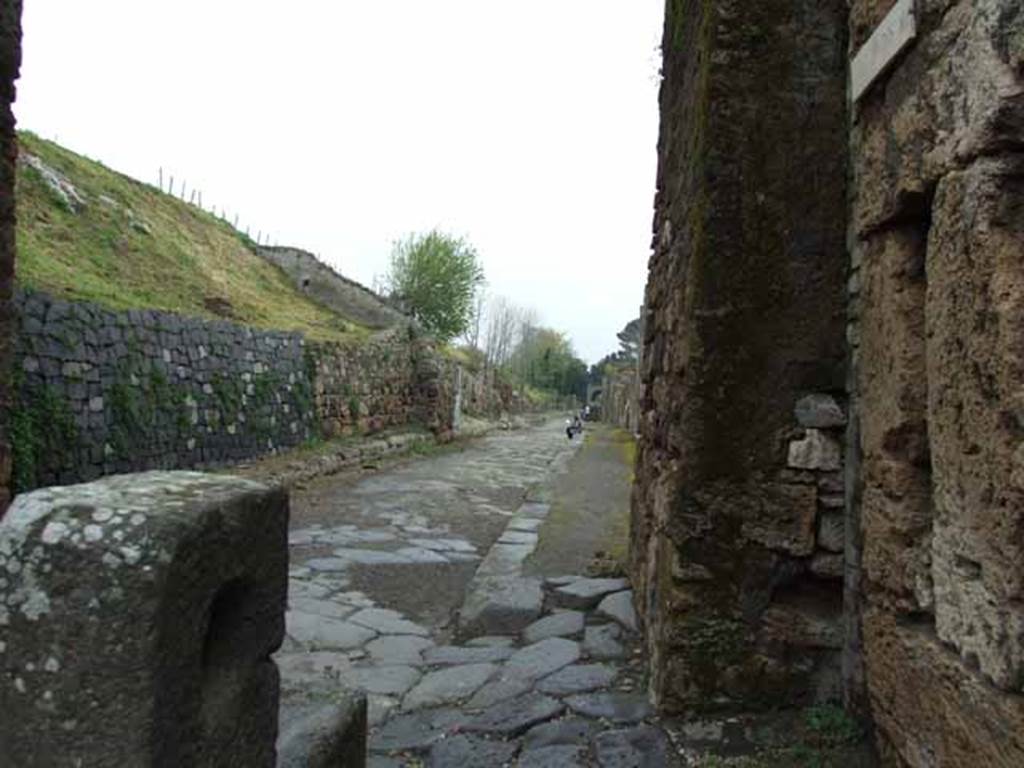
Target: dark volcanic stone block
x,y
139,615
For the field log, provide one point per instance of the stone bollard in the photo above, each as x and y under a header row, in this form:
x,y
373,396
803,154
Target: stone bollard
x,y
137,618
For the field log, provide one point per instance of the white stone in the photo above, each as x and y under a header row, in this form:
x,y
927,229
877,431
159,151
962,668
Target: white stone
x,y
816,451
887,42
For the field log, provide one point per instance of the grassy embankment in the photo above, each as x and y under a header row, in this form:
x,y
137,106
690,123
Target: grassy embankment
x,y
130,246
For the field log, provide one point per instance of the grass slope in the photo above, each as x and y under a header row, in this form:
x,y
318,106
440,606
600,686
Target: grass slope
x,y
131,247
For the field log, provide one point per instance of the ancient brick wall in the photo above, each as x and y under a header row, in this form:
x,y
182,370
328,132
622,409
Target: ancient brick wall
x,y
937,233
744,317
10,59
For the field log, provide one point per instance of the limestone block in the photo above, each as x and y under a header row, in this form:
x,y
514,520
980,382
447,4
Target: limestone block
x,y
929,707
887,42
952,97
819,412
816,451
137,617
976,414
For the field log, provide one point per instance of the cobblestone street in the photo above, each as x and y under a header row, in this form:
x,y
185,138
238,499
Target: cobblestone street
x,y
409,585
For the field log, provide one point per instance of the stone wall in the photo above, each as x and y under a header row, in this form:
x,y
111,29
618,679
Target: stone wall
x,y
102,392
937,292
347,297
358,389
744,317
482,393
10,59
620,399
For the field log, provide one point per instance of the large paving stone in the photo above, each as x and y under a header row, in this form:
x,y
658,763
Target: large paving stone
x,y
317,734
556,756
383,761
357,599
602,642
498,690
379,708
311,669
420,555
387,622
617,707
469,751
619,607
299,588
329,608
515,716
445,686
562,624
492,641
390,681
501,605
398,649
553,582
570,730
641,747
416,731
540,659
586,593
577,678
444,545
457,654
322,633
368,557
328,564
369,536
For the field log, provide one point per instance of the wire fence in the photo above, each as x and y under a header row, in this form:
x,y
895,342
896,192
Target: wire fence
x,y
194,197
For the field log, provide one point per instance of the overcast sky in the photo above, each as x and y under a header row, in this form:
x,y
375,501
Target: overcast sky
x,y
339,126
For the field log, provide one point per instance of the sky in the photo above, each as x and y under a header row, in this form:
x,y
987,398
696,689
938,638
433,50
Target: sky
x,y
340,126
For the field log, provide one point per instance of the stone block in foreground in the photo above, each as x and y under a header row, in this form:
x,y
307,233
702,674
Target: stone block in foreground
x,y
137,618
326,735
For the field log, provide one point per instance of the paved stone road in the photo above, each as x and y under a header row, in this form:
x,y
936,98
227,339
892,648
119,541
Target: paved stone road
x,y
537,671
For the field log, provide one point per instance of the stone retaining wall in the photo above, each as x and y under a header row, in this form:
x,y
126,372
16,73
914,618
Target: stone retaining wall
x,y
358,389
102,392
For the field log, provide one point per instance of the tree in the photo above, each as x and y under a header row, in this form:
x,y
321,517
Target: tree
x,y
436,277
544,359
629,339
504,322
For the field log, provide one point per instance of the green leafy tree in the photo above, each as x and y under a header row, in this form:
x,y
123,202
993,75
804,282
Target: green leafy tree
x,y
544,359
436,277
